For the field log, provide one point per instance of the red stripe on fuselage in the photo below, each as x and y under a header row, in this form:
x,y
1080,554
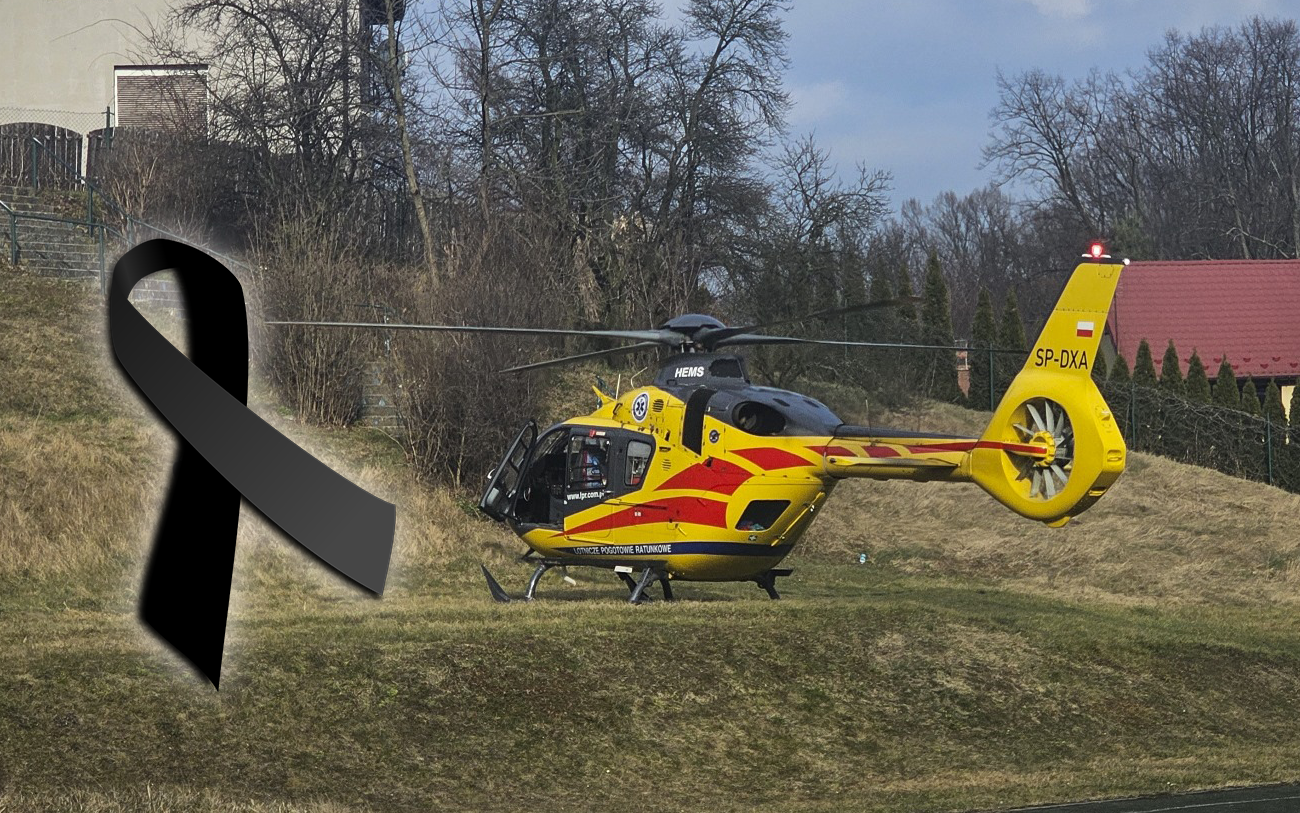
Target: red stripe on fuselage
x,y
827,451
953,446
695,510
880,451
770,459
714,475
968,445
1020,448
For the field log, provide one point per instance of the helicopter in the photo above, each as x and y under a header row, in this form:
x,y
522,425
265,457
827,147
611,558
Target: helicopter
x,y
703,475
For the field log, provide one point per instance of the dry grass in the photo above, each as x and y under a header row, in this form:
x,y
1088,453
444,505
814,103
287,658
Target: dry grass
x,y
1166,532
78,473
875,695
981,661
70,501
154,799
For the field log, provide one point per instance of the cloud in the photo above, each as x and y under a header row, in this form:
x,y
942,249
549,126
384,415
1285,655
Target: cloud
x,y
1067,9
817,102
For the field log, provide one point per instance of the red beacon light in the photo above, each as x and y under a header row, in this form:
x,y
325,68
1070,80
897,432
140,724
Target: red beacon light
x,y
1096,251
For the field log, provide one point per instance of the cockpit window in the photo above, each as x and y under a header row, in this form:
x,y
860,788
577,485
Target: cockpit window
x,y
638,457
757,419
588,463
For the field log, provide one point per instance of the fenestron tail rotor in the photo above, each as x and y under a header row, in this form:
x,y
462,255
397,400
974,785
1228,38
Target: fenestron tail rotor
x,y
1046,424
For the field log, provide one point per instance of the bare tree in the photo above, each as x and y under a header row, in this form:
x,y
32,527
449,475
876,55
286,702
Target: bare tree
x,y
1043,128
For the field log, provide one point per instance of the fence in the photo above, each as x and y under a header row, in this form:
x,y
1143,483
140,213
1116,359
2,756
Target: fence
x,y
1217,437
66,134
106,225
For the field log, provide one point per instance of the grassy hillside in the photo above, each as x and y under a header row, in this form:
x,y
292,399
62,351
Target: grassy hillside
x,y
977,661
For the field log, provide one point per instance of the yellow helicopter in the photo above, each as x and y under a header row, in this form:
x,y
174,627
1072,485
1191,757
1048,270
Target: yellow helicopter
x,y
704,476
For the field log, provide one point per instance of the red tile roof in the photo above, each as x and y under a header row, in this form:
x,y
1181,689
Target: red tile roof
x,y
1248,309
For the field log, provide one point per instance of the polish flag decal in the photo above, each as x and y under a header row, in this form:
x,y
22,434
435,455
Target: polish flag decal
x,y
1084,330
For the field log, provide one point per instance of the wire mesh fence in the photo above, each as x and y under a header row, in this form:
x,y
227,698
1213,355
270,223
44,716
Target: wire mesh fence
x,y
70,136
1203,434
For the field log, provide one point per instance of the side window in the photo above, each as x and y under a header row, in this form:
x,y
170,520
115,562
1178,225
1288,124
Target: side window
x,y
761,514
588,463
638,458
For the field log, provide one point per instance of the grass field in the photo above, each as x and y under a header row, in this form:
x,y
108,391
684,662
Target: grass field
x,y
978,661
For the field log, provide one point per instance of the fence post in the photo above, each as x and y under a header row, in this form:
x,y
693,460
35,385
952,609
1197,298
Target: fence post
x,y
35,174
103,271
992,377
13,239
1268,448
90,205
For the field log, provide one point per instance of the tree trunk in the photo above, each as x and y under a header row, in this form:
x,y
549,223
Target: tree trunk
x,y
408,160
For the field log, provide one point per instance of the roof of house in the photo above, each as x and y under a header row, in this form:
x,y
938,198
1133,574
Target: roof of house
x,y
1246,309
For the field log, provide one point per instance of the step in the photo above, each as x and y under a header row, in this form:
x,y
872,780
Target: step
x,y
32,204
62,249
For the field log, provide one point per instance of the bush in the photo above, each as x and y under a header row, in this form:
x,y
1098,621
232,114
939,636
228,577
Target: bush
x,y
460,411
303,274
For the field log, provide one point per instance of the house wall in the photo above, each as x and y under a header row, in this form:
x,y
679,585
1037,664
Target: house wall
x,y
59,56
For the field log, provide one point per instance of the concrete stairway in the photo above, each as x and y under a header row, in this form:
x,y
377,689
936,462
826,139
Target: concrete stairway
x,y
55,248
378,397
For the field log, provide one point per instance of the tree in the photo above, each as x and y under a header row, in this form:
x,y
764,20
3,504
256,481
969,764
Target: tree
x,y
906,309
979,239
1192,155
881,289
1275,432
1293,413
1197,385
1118,391
1011,336
394,79
1273,409
1145,408
1043,129
1250,398
984,334
1119,373
936,327
805,253
1171,377
1252,450
1201,427
1168,423
1144,366
1226,392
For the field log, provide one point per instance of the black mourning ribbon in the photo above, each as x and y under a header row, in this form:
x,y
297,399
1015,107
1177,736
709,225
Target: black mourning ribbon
x,y
226,451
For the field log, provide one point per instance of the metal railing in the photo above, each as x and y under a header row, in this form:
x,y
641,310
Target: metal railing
x,y
124,231
99,235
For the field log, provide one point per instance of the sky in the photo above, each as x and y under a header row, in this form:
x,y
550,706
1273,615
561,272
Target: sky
x,y
906,86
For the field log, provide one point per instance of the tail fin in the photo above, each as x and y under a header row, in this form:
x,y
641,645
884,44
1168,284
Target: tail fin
x,y
1052,448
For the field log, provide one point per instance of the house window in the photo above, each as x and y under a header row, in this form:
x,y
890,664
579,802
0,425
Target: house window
x,y
162,97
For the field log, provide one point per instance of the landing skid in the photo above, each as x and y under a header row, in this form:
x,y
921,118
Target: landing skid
x,y
767,580
650,573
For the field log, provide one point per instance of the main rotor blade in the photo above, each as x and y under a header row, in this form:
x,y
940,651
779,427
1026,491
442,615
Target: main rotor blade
x,y
758,338
594,354
716,336
657,336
